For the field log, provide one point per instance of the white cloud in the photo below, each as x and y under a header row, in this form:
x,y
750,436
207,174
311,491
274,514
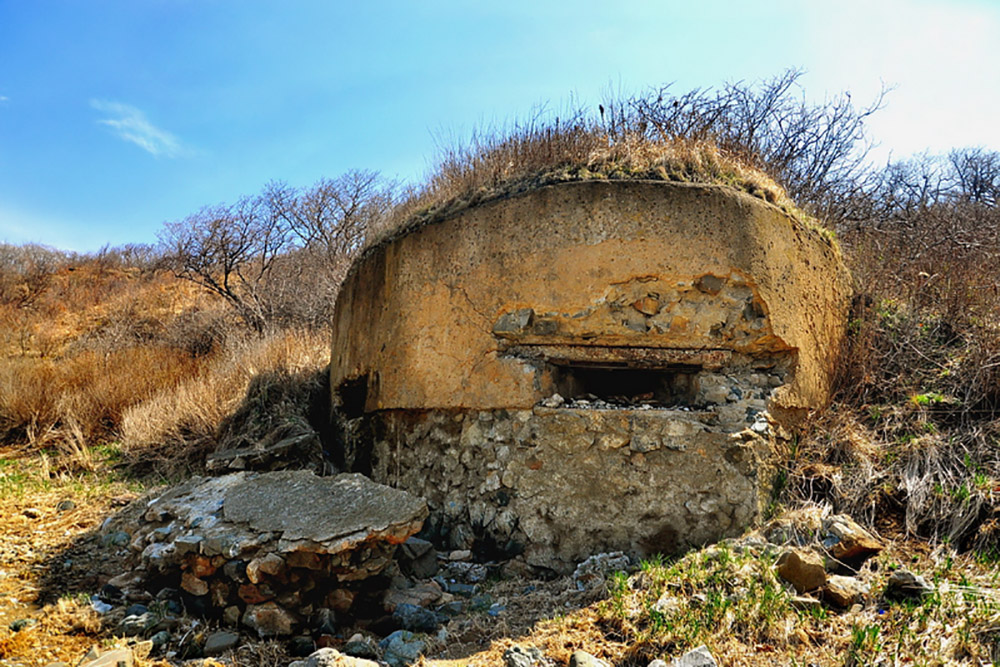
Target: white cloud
x,y
4,98
131,124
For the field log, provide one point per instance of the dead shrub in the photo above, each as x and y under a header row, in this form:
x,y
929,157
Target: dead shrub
x,y
916,422
179,425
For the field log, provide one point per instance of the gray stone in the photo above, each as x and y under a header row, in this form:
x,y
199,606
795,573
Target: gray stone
x,y
592,573
453,608
523,656
584,659
348,508
136,609
514,322
657,663
137,625
417,619
220,642
401,648
116,538
65,506
699,657
160,639
361,647
188,544
903,584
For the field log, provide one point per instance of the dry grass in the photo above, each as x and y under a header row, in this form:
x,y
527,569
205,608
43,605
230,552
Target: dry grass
x,y
184,421
50,567
72,403
916,423
502,163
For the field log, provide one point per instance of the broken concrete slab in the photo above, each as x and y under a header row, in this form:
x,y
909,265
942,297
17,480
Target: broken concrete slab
x,y
266,548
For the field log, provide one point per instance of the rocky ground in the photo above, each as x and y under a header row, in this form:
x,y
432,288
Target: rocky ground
x,y
807,588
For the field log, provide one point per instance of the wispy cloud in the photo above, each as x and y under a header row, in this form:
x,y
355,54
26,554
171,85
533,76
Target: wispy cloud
x,y
4,98
131,124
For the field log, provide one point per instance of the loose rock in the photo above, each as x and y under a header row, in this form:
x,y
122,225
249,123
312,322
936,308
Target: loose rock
x,y
584,659
417,619
592,572
904,584
360,646
699,657
329,657
844,591
524,656
220,642
802,568
121,657
847,541
401,648
417,558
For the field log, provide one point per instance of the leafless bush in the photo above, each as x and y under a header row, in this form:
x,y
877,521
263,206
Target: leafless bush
x,y
815,151
277,258
25,272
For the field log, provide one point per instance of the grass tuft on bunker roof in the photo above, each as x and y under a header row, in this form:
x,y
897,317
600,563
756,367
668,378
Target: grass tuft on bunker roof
x,y
534,155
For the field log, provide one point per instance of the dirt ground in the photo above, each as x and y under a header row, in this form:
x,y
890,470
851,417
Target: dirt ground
x,y
53,559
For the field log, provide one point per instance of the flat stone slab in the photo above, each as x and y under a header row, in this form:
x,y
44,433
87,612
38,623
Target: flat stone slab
x,y
302,506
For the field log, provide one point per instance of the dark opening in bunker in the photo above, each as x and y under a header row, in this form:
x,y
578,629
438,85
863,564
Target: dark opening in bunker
x,y
668,387
353,396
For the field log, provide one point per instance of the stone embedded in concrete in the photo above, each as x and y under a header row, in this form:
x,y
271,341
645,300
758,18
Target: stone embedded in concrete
x,y
712,309
539,481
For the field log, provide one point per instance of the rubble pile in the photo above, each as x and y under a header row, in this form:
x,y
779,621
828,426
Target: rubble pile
x,y
270,551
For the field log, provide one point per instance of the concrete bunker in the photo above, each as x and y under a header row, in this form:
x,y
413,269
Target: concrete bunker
x,y
586,366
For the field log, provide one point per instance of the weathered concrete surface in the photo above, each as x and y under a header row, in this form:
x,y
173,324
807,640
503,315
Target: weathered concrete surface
x,y
428,320
267,547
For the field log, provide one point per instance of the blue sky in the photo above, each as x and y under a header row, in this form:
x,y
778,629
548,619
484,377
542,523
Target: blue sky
x,y
116,115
